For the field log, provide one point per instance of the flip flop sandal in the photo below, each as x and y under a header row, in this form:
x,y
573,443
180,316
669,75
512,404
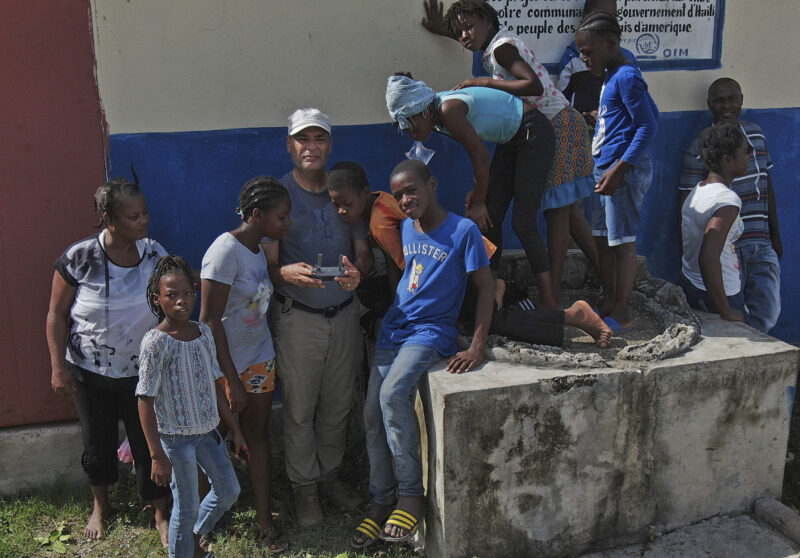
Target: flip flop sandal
x,y
369,528
615,326
274,538
402,519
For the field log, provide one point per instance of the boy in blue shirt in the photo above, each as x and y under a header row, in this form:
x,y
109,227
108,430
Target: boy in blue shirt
x,y
626,124
440,250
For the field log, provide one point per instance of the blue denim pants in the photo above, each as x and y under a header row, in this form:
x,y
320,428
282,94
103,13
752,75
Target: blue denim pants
x,y
390,421
701,300
189,515
617,216
761,284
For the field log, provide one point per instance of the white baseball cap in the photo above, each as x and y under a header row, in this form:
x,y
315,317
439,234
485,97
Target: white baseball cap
x,y
307,117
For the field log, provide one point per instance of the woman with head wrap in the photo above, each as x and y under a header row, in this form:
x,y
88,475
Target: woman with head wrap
x,y
518,170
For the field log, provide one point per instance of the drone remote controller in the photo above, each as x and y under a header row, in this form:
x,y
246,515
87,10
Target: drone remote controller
x,y
328,273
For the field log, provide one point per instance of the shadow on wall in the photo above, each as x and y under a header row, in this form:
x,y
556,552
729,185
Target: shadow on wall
x,y
192,179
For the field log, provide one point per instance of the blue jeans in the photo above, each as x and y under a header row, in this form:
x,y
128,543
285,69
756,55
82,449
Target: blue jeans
x,y
617,216
701,300
189,516
390,421
761,284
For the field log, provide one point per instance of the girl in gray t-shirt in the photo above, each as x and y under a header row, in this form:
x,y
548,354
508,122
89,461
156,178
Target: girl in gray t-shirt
x,y
236,290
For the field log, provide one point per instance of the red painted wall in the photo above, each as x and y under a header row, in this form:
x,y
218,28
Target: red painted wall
x,y
51,162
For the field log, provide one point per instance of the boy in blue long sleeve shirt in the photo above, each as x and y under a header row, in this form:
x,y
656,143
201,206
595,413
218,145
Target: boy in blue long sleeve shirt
x,y
626,124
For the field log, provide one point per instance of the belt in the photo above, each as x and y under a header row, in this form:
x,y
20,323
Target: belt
x,y
328,311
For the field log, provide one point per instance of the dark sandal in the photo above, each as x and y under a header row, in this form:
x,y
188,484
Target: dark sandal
x,y
274,539
400,518
369,528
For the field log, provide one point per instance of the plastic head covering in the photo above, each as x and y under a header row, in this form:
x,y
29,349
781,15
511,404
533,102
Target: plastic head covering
x,y
405,98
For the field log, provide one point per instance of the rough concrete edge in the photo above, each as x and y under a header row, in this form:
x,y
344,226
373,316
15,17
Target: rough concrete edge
x,y
778,516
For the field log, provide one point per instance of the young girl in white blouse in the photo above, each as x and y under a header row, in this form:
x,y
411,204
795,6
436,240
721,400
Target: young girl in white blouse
x,y
179,408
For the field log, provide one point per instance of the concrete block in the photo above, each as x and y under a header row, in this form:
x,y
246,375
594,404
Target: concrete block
x,y
40,455
526,461
771,512
728,537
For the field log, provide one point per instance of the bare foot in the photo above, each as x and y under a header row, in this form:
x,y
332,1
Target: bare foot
x,y
161,516
412,505
95,527
582,316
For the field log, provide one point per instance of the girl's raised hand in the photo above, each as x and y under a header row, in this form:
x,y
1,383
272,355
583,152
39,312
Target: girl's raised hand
x,y
352,277
434,18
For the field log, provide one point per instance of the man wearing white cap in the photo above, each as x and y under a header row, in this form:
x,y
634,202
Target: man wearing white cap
x,y
314,323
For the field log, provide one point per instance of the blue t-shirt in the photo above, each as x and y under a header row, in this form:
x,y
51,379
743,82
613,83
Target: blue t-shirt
x,y
495,115
429,295
627,119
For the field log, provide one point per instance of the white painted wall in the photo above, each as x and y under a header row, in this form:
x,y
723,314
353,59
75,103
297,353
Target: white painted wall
x,y
186,65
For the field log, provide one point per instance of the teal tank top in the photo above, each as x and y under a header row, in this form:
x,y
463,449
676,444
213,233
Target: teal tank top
x,y
495,115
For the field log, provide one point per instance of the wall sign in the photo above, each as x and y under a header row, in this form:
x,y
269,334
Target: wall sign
x,y
663,34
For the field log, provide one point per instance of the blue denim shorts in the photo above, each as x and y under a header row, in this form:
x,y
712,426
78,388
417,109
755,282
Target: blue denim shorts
x,y
617,216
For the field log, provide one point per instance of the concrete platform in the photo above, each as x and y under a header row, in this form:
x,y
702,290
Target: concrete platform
x,y
527,461
35,456
719,537
40,455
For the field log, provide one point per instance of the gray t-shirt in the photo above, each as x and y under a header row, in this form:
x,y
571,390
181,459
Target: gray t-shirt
x,y
316,228
245,318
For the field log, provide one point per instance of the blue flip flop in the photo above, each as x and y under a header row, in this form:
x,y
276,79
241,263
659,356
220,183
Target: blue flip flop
x,y
613,324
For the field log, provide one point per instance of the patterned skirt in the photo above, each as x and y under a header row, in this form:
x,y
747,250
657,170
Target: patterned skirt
x,y
570,176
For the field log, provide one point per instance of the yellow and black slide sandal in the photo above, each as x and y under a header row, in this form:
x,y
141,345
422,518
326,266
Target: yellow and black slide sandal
x,y
402,519
369,528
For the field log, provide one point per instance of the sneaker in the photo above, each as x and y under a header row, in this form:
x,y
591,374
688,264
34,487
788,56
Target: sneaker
x,y
339,492
306,503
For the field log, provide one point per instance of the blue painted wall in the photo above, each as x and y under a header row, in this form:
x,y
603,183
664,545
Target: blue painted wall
x,y
192,179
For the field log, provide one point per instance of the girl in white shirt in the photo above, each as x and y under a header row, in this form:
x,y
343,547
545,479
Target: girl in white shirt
x,y
178,406
710,224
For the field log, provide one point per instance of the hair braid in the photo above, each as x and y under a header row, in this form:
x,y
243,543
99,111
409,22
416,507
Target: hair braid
x,y
262,192
600,23
166,265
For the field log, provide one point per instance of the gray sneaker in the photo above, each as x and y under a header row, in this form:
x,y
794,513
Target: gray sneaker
x,y
306,502
339,492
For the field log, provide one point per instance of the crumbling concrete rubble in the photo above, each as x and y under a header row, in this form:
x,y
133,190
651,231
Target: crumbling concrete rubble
x,y
662,300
